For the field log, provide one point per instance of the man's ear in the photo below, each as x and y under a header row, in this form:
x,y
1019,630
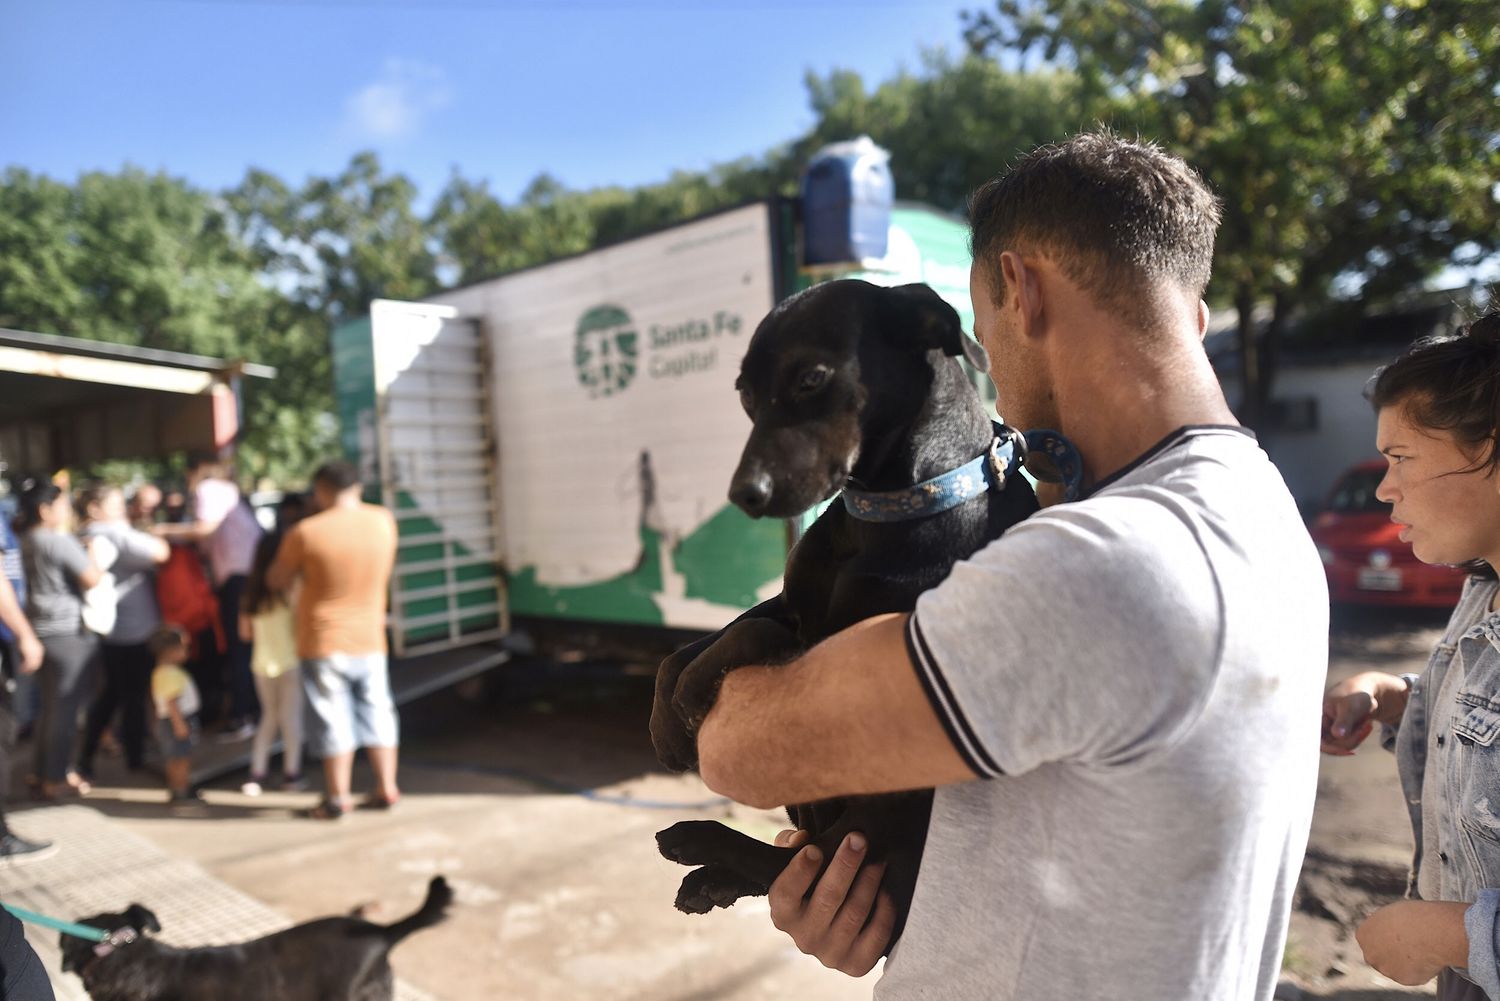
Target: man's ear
x,y
142,919
1024,284
936,325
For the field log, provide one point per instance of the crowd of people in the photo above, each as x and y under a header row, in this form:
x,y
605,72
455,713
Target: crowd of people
x,y
162,616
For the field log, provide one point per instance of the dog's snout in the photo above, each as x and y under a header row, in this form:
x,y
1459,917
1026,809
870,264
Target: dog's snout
x,y
751,492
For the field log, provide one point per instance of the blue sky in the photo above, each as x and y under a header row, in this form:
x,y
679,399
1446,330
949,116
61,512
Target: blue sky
x,y
592,91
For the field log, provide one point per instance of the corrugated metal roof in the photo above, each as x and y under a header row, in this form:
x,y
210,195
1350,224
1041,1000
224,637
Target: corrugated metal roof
x,y
125,352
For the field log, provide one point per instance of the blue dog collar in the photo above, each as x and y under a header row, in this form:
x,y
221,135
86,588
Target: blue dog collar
x,y
942,493
1063,455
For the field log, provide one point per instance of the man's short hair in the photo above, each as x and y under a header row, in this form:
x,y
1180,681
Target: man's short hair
x,y
1120,218
196,460
337,476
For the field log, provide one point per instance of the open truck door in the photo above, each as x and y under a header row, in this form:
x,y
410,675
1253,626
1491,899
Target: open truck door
x,y
434,459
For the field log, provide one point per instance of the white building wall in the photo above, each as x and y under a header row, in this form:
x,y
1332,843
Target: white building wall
x,y
1345,433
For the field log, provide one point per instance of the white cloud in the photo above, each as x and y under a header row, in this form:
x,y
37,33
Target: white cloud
x,y
395,105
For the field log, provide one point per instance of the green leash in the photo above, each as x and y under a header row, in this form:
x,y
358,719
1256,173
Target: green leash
x,y
87,932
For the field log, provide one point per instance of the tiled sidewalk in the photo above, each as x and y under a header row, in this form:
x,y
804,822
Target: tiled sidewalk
x,y
100,866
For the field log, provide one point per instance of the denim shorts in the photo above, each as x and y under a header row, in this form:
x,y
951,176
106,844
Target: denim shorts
x,y
170,746
349,703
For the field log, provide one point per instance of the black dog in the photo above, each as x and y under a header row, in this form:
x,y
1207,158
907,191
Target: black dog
x,y
330,959
855,387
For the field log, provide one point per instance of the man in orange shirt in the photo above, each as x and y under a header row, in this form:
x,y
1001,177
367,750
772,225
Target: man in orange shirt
x,y
344,555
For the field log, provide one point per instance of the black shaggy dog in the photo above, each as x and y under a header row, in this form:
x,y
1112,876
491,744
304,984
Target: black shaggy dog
x,y
856,388
330,959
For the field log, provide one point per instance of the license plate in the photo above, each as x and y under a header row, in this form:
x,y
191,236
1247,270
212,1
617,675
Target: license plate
x,y
1379,580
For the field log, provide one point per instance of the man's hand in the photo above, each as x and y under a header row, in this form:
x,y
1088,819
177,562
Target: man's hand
x,y
1352,707
1411,941
846,922
32,652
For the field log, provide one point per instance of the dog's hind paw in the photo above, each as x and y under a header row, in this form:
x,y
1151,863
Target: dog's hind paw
x,y
714,886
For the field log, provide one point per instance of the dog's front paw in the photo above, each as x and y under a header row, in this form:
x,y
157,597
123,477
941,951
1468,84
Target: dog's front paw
x,y
674,742
714,886
688,842
748,641
675,747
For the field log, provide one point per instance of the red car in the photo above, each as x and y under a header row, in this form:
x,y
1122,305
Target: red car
x,y
1363,555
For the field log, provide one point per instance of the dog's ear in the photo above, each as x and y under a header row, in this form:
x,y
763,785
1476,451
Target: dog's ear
x,y
937,324
142,919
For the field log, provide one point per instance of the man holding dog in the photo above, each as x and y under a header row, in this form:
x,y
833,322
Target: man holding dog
x,y
1117,700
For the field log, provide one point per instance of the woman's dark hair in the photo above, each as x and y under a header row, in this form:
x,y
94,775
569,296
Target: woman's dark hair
x,y
1451,382
258,597
93,493
35,495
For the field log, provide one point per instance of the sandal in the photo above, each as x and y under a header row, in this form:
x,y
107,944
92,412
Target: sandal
x,y
375,801
326,810
52,792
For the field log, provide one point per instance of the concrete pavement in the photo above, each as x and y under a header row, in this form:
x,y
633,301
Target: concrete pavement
x,y
540,811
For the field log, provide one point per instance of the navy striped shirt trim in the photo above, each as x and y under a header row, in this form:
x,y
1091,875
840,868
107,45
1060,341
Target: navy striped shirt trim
x,y
1185,433
959,730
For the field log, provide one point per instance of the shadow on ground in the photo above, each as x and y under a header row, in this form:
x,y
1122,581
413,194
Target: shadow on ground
x,y
525,728
1383,636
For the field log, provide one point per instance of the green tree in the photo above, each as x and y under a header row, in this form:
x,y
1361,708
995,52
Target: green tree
x,y
327,248
149,260
949,127
338,242
1355,143
481,237
131,258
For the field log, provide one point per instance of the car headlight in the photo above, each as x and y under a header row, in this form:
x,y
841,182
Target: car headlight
x,y
1326,555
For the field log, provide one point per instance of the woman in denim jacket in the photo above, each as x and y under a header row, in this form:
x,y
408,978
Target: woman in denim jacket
x,y
1439,425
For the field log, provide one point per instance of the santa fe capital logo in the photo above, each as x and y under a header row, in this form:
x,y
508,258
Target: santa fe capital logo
x,y
604,350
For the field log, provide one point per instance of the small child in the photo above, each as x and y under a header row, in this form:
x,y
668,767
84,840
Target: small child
x,y
177,705
266,622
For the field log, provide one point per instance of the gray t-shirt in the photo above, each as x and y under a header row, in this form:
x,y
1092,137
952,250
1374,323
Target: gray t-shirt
x,y
53,562
1139,676
136,612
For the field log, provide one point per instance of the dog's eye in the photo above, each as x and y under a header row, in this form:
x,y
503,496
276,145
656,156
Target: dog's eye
x,y
813,380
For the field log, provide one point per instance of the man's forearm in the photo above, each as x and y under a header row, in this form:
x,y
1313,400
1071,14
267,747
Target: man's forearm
x,y
191,531
849,717
745,747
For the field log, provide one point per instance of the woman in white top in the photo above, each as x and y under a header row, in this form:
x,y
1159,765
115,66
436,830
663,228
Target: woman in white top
x,y
127,657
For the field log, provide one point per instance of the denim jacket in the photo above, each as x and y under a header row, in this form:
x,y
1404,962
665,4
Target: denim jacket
x,y
1471,645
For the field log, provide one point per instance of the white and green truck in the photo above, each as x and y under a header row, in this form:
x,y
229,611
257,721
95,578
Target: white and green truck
x,y
557,443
